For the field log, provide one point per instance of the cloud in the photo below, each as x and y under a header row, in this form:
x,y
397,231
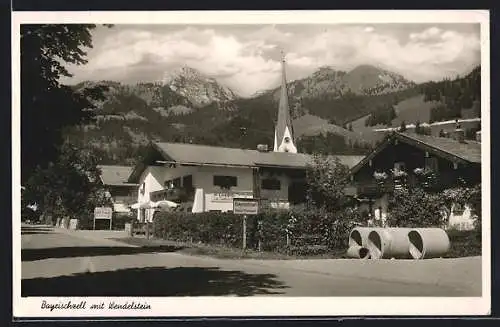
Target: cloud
x,y
247,58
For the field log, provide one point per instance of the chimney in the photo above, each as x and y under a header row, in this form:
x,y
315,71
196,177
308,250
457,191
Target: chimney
x,y
478,136
459,135
262,148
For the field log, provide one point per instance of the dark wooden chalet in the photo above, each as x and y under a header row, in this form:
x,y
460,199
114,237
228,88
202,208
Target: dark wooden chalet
x,y
408,159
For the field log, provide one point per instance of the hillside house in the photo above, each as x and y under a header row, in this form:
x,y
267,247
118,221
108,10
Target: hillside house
x,y
207,178
121,192
404,159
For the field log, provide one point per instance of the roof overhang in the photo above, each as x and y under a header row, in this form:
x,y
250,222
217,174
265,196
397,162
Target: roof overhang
x,y
431,149
258,165
123,184
152,160
153,153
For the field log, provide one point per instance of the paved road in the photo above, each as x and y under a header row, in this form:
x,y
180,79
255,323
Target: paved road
x,y
63,263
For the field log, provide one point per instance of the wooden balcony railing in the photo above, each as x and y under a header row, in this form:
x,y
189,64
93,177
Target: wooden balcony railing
x,y
373,188
175,194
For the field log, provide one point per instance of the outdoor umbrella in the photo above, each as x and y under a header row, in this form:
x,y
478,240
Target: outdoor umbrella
x,y
164,204
143,205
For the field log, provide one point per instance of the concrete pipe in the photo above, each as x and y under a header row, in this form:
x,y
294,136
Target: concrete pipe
x,y
358,252
359,235
428,243
389,243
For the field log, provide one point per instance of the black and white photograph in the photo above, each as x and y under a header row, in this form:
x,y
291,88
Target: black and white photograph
x,y
251,163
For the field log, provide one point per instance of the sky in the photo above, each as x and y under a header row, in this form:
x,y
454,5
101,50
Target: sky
x,y
246,58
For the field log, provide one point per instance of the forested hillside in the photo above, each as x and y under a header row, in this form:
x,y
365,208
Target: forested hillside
x,y
324,108
455,96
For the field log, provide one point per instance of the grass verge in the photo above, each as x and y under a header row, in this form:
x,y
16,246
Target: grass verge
x,y
223,252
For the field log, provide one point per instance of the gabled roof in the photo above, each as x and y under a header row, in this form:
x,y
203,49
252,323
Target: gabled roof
x,y
299,160
115,175
468,152
205,154
195,154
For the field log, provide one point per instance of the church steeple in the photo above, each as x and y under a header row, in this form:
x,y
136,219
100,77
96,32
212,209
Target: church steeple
x,y
283,133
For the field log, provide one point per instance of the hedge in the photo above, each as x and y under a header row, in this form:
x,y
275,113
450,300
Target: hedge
x,y
297,231
464,243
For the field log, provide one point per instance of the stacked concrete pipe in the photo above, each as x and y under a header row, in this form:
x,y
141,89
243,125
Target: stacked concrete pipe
x,y
428,243
357,243
388,243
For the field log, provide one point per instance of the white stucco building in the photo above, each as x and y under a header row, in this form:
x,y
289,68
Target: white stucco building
x,y
207,178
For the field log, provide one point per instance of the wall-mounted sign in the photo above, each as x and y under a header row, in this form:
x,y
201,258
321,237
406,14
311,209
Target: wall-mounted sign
x,y
229,196
243,206
103,213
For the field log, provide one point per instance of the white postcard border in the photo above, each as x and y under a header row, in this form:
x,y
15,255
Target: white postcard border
x,y
259,306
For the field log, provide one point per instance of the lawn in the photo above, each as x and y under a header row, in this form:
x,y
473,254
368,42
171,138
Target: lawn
x,y
462,244
224,252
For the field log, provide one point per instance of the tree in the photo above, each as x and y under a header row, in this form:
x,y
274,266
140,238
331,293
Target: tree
x,y
47,106
326,180
69,187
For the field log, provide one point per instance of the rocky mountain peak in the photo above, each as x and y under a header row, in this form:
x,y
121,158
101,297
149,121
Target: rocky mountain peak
x,y
198,88
327,72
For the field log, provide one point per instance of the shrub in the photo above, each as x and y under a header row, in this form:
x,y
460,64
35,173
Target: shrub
x,y
272,231
120,219
206,227
464,243
307,231
463,195
415,208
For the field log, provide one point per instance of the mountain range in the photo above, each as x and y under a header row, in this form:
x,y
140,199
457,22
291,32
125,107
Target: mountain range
x,y
187,106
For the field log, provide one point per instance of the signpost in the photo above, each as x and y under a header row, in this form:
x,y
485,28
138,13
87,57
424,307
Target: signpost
x,y
104,213
243,206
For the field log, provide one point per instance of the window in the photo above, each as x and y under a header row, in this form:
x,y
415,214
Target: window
x,y
177,182
399,166
431,163
168,184
225,182
458,209
187,182
271,184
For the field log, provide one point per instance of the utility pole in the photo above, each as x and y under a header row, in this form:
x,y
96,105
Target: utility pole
x,y
244,232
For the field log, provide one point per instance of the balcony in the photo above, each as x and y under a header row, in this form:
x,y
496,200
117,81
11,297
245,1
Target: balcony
x,y
174,194
371,188
374,188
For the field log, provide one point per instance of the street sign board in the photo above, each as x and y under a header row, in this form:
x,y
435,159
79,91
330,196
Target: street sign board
x,y
103,213
242,206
